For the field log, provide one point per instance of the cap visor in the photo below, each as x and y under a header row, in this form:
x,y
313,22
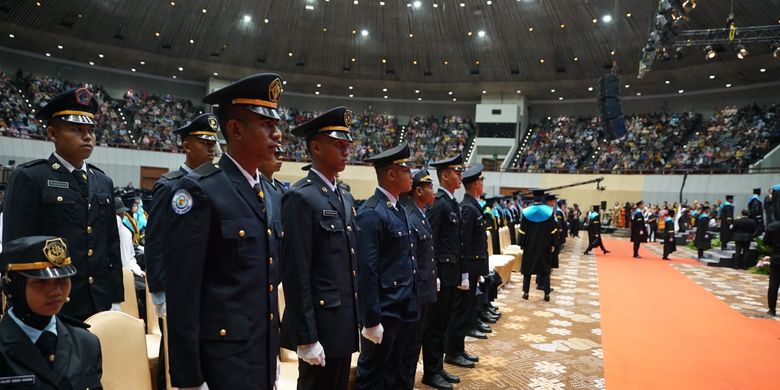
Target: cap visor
x,y
77,119
264,111
51,273
338,135
207,137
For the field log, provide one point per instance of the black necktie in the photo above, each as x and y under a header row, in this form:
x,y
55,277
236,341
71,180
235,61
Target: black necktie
x,y
47,344
258,187
81,178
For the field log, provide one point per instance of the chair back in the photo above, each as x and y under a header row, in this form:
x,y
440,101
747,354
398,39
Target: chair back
x,y
489,241
123,345
152,321
130,305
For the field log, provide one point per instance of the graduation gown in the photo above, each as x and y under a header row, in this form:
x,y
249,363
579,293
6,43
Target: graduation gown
x,y
726,222
669,244
638,232
537,238
702,240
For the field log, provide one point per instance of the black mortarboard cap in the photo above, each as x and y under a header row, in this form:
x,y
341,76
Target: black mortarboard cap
x,y
37,257
335,123
74,105
203,126
398,155
757,191
259,93
538,195
596,208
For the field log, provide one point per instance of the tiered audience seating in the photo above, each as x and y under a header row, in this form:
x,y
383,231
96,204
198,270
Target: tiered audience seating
x,y
431,138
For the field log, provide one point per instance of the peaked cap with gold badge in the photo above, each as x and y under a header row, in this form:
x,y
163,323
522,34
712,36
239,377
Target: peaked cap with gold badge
x,y
334,123
259,93
37,257
203,126
74,105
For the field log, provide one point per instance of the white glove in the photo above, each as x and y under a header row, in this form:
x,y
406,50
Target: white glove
x,y
203,386
438,284
312,353
161,310
731,227
598,235
278,372
374,333
464,282
115,306
481,279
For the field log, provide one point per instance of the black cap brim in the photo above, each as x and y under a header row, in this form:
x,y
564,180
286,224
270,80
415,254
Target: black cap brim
x,y
342,135
77,119
65,271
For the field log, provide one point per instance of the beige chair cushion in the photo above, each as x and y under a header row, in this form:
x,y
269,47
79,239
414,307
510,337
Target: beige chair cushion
x,y
123,345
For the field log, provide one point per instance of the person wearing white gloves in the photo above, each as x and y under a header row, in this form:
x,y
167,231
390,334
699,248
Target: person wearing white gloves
x,y
388,307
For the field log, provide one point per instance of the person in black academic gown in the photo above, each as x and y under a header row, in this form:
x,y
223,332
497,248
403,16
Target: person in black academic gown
x,y
669,244
40,348
726,217
538,231
745,230
638,233
702,240
594,231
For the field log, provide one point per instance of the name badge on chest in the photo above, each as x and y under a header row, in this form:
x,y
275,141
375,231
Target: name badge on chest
x,y
57,184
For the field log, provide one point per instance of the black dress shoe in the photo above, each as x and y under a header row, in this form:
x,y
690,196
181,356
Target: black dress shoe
x,y
471,356
488,319
586,253
492,306
525,296
451,378
771,313
547,297
459,361
484,328
605,252
494,311
476,334
637,257
437,382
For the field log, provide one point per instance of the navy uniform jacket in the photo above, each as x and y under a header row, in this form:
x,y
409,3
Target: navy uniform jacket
x,y
273,201
423,254
77,363
745,229
726,222
319,269
43,198
386,271
221,290
444,217
638,233
474,239
156,238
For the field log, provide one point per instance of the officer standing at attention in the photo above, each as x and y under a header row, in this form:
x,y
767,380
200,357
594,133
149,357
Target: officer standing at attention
x,y
726,217
388,308
475,255
420,197
594,231
223,313
319,269
274,190
445,219
198,140
756,210
538,231
638,232
66,197
670,245
38,347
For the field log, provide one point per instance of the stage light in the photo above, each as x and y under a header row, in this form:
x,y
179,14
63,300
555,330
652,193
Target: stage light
x,y
709,52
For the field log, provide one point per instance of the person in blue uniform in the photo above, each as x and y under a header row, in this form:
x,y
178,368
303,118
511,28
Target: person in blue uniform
x,y
538,231
198,140
67,197
594,231
670,245
726,218
420,197
223,320
388,308
702,238
638,232
445,219
39,347
319,264
756,209
475,255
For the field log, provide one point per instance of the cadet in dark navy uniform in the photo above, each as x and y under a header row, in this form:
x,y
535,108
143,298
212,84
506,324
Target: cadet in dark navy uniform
x,y
475,255
388,308
538,231
221,281
274,190
420,197
444,216
39,348
319,269
66,197
638,233
198,139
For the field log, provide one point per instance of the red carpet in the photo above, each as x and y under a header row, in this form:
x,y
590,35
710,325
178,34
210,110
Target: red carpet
x,y
661,330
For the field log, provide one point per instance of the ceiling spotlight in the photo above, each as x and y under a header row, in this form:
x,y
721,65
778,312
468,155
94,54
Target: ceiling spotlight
x,y
351,95
595,20
484,92
101,55
416,91
606,18
639,94
712,77
132,69
247,18
762,70
519,91
481,33
563,25
468,33
181,69
628,85
435,5
265,21
382,3
411,35
59,47
384,89
216,74
204,10
157,34
319,85
449,93
628,14
419,99
541,60
667,82
91,63
417,4
454,99
741,52
289,54
351,87
385,96
776,49
143,62
530,29
308,7
552,91
192,41
680,90
364,33
462,4
709,52
11,36
728,85
590,89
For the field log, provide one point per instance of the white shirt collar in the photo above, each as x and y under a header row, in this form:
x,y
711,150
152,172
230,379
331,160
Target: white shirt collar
x,y
31,332
389,196
70,166
330,184
249,178
448,193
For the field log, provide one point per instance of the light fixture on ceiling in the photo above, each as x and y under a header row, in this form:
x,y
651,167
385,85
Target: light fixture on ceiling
x,y
552,90
541,60
101,55
319,85
595,20
762,70
712,77
519,91
417,4
709,52
316,92
382,3
481,33
91,63
181,69
59,47
484,92
309,7
563,25
351,95
215,74
639,94
462,4
289,54
628,14
576,59
384,60
204,10
590,89
454,99
157,34
364,33
449,93
419,99
142,62
606,18
11,36
416,91
560,98
411,35
628,85
680,90
247,18
350,87
742,51
266,20
530,29
667,82
132,69
385,96
728,85
384,89
192,41
284,82
469,33
173,76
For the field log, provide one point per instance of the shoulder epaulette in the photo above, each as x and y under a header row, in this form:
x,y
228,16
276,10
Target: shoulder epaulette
x,y
302,183
173,175
206,170
33,162
440,194
371,202
95,168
